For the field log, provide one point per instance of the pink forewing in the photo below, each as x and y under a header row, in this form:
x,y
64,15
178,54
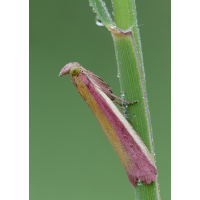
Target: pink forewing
x,y
140,167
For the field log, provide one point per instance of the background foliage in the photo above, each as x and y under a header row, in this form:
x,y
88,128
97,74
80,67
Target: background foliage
x,y
70,158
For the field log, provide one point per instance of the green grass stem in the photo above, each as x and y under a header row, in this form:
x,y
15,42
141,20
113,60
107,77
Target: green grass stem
x,y
126,37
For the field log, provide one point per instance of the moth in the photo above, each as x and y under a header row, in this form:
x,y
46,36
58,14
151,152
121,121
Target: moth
x,y
131,150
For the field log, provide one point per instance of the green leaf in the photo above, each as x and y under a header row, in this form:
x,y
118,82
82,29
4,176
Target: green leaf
x,y
102,12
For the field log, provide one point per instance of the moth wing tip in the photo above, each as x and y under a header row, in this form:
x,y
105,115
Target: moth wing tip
x,y
147,179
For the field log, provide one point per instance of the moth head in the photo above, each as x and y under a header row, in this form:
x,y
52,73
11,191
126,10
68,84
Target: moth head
x,y
71,68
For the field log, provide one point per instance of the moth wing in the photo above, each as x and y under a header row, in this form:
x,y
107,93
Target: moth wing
x,y
98,82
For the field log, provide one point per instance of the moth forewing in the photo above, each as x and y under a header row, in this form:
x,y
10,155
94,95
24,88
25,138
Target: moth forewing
x,y
129,128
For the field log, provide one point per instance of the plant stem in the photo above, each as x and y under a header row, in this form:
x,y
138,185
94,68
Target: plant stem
x,y
125,33
132,82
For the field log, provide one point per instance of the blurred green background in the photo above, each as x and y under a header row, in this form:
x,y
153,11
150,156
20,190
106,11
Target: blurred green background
x,y
70,157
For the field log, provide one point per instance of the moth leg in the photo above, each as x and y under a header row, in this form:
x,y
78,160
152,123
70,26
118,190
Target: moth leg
x,y
117,102
123,100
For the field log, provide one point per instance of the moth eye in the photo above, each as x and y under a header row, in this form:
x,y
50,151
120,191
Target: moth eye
x,y
74,70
